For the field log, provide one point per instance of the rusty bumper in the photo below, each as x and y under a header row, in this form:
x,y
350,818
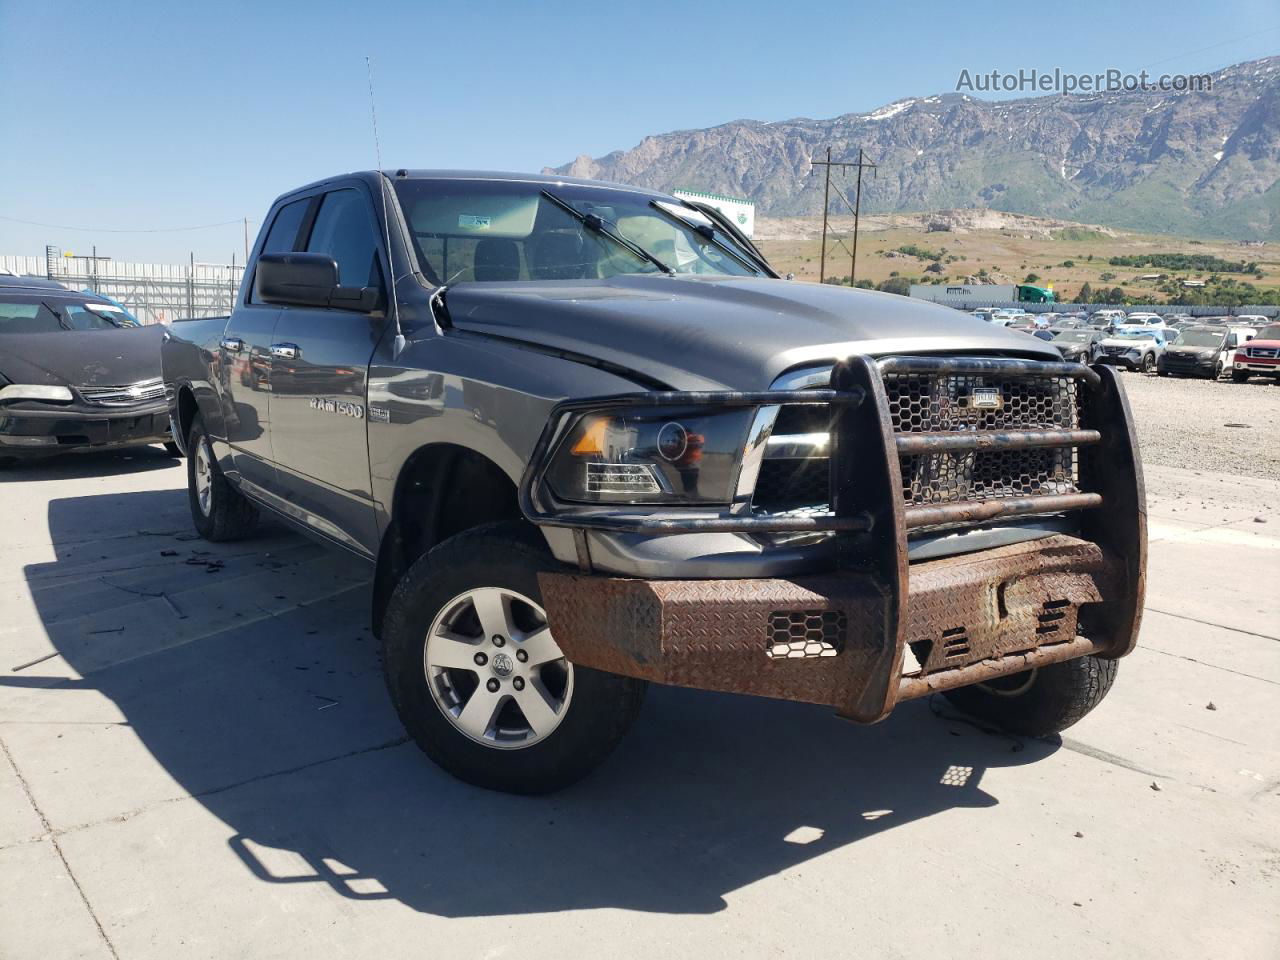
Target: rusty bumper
x,y
842,639
829,639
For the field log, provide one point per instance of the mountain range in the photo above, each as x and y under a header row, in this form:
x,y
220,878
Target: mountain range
x,y
1203,162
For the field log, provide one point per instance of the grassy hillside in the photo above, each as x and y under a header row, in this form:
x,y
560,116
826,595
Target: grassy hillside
x,y
1006,247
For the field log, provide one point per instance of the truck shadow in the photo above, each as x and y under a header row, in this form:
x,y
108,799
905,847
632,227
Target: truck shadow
x,y
280,727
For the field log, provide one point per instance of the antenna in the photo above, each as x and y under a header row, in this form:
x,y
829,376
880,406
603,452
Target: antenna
x,y
382,183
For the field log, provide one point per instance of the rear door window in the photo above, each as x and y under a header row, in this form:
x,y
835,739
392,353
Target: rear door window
x,y
283,235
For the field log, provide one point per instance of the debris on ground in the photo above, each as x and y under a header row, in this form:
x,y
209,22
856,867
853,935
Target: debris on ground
x,y
32,663
1210,706
1156,787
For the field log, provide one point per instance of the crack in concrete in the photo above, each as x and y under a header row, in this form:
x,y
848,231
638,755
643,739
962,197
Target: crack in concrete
x,y
1211,666
53,839
1210,623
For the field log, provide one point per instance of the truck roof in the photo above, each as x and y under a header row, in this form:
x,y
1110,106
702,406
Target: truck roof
x,y
417,174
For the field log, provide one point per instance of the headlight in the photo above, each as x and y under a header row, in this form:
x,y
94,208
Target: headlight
x,y
31,391
650,456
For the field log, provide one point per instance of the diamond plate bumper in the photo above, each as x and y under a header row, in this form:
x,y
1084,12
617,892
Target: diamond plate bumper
x,y
964,619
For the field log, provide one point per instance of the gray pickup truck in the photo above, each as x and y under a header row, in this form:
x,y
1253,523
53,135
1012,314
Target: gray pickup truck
x,y
589,439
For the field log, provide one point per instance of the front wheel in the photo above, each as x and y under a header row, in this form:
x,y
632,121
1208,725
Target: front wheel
x,y
1217,371
1039,702
1239,376
173,450
1148,363
477,677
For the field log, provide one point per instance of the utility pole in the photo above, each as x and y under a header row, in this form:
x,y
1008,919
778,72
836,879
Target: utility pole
x,y
246,239
826,203
857,205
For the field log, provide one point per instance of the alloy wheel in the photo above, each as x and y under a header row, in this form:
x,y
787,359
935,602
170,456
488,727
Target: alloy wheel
x,y
494,669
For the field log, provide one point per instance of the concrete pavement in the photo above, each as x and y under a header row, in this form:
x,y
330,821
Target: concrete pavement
x,y
198,760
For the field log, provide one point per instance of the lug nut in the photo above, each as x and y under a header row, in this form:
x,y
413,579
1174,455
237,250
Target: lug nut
x,y
518,683
481,659
492,684
499,640
522,655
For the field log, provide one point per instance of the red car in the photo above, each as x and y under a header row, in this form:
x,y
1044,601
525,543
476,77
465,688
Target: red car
x,y
1261,355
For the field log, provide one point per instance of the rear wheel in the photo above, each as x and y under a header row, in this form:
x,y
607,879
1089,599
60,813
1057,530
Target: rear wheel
x,y
1039,702
479,681
219,511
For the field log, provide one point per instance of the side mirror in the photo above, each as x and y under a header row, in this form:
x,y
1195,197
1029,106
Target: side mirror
x,y
309,280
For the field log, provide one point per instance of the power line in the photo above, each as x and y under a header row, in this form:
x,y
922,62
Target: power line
x,y
59,226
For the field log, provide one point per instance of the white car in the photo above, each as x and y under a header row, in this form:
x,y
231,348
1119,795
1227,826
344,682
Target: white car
x,y
1133,348
1144,320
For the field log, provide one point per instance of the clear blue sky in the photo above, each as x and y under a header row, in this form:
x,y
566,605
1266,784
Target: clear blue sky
x,y
149,115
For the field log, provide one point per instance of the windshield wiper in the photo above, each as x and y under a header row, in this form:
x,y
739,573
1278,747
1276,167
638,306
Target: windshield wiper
x,y
597,225
708,233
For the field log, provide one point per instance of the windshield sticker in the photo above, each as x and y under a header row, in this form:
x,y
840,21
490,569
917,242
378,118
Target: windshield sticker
x,y
472,222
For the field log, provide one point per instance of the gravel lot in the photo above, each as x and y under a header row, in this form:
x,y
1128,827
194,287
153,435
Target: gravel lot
x,y
1183,422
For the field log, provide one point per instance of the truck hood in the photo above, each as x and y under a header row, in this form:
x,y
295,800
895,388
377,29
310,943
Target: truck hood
x,y
696,333
82,357
1255,342
1190,351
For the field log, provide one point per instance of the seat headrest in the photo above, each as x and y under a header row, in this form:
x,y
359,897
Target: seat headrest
x,y
496,259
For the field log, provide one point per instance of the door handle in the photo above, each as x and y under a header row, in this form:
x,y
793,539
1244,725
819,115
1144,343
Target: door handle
x,y
287,351
232,344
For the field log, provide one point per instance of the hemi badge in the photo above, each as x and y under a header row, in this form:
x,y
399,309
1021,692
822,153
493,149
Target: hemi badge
x,y
379,414
985,398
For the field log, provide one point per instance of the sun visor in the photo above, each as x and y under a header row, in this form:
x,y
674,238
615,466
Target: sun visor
x,y
475,215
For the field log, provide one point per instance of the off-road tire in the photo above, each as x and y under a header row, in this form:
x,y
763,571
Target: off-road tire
x,y
1056,697
231,516
1239,376
602,707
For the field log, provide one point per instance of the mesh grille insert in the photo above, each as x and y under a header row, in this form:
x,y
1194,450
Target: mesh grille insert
x,y
801,634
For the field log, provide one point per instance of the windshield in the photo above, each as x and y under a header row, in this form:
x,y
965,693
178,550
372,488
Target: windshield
x,y
473,231
1269,333
40,317
1073,336
1200,338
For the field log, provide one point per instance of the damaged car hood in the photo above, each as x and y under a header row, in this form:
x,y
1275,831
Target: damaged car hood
x,y
706,333
82,357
